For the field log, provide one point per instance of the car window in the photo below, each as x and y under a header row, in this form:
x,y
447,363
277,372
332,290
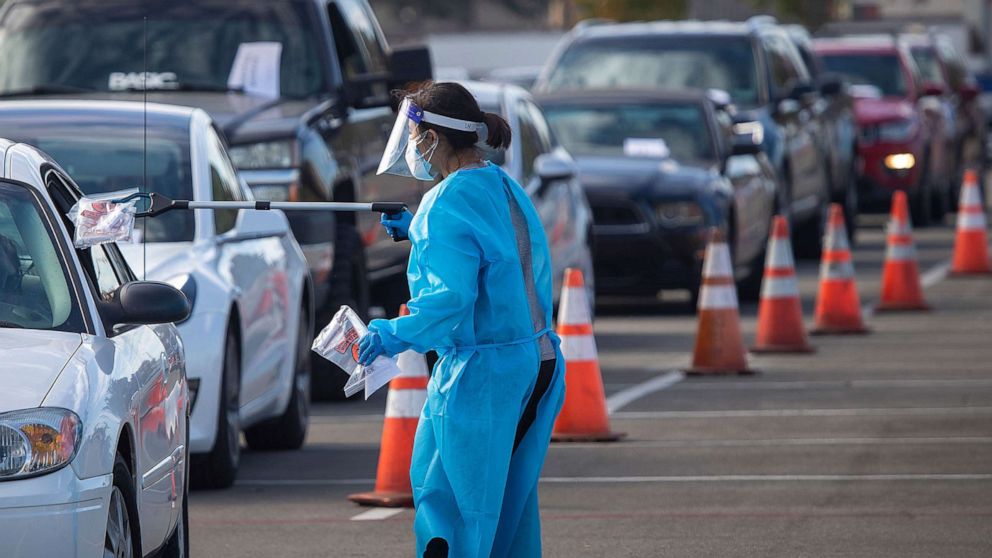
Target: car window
x,y
883,71
656,130
224,185
365,36
191,45
544,136
660,62
781,66
530,143
928,64
35,286
104,277
105,151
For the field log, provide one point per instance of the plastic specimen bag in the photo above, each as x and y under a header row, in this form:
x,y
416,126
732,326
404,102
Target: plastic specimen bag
x,y
98,220
338,343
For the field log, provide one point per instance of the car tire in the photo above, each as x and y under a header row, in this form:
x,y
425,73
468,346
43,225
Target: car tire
x,y
921,205
218,468
289,431
940,202
349,286
808,236
178,544
122,538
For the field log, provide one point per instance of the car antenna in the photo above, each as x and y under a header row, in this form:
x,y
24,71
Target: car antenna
x,y
144,144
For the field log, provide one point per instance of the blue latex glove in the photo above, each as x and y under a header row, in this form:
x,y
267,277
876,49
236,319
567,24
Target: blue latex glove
x,y
370,347
397,224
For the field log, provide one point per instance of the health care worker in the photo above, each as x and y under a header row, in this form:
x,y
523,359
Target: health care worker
x,y
480,282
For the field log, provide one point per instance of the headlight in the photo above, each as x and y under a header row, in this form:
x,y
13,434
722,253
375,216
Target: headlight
x,y
265,155
679,214
187,285
900,161
37,441
900,130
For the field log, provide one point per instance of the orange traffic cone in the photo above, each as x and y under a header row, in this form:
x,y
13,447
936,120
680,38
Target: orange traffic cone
x,y
901,289
405,401
838,307
719,348
971,251
583,417
780,313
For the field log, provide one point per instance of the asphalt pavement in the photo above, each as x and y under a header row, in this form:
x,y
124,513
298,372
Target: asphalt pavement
x,y
877,445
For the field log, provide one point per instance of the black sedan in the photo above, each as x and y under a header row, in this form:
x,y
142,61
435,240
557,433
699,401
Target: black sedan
x,y
660,169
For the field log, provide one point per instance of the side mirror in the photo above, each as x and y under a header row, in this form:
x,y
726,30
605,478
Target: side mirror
x,y
747,139
409,65
260,224
831,85
787,108
932,90
148,302
550,167
968,92
367,91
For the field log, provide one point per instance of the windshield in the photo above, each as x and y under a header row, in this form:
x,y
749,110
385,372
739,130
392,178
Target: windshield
x,y
880,70
725,63
930,70
103,152
34,287
191,45
648,130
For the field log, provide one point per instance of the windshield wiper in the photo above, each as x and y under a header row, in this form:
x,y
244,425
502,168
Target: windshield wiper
x,y
44,89
10,325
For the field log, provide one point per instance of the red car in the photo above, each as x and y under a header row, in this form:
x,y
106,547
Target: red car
x,y
903,143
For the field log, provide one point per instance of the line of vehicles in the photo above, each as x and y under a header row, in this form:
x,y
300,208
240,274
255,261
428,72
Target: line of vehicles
x,y
135,369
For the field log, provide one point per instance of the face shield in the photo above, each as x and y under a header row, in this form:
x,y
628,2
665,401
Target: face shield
x,y
396,160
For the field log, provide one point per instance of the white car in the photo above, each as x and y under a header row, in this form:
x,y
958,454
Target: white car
x,y
249,335
548,173
94,403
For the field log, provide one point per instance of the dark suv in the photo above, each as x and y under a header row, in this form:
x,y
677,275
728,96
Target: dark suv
x,y
755,62
300,88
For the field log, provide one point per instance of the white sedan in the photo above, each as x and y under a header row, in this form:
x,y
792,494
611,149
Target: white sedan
x,y
94,403
249,335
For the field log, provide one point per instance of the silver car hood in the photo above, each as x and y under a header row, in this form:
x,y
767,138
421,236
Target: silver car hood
x,y
32,360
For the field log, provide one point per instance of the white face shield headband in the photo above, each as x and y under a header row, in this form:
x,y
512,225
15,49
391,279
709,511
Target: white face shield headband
x,y
396,159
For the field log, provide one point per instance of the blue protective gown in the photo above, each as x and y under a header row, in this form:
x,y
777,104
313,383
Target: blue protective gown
x,y
469,303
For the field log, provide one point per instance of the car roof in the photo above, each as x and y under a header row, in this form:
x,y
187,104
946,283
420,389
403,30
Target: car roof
x,y
494,93
666,27
623,96
857,43
171,114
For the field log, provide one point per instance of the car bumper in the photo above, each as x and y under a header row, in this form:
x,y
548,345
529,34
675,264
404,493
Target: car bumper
x,y
203,337
641,260
57,514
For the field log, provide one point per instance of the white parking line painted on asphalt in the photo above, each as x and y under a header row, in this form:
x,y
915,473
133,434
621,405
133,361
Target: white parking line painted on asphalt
x,y
853,412
789,442
304,482
835,384
627,396
766,478
377,514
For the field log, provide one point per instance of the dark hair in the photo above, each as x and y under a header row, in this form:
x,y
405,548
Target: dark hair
x,y
453,100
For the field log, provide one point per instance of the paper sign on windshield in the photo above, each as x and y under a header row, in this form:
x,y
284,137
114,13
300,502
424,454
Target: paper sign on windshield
x,y
645,147
256,69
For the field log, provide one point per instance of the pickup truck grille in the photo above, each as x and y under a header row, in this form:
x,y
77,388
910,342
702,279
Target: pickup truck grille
x,y
616,214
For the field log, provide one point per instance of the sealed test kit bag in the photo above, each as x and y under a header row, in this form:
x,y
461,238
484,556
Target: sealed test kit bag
x,y
338,343
99,220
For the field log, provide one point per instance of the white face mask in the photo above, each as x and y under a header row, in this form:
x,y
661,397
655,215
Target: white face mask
x,y
420,165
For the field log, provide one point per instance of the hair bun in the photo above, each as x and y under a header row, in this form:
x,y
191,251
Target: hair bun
x,y
499,131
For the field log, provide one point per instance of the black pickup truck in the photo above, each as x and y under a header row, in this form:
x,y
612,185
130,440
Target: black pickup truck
x,y
300,88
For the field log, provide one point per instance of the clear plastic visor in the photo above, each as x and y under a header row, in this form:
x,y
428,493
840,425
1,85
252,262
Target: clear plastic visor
x,y
405,131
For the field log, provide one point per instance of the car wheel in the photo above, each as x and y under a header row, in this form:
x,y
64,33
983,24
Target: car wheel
x,y
921,205
219,468
289,431
121,539
808,236
940,203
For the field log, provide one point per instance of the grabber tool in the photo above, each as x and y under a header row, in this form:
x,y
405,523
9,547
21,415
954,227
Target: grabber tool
x,y
159,204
